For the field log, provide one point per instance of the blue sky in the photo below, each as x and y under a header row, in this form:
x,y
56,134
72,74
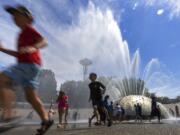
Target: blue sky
x,y
97,30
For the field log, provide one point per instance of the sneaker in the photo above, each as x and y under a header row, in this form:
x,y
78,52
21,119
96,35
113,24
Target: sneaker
x,y
45,126
60,126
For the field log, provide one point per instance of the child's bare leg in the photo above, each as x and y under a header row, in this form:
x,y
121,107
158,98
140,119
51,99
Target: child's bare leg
x,y
60,116
33,98
66,114
61,113
7,96
106,112
7,103
96,113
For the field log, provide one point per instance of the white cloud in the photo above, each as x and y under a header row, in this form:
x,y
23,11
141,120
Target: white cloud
x,y
173,6
160,11
135,6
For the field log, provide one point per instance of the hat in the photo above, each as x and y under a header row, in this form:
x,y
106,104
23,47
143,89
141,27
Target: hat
x,y
20,10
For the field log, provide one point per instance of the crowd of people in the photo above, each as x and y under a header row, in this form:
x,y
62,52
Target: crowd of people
x,y
105,111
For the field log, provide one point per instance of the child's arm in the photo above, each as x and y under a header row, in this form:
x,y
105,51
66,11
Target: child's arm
x,y
90,94
41,44
103,87
9,52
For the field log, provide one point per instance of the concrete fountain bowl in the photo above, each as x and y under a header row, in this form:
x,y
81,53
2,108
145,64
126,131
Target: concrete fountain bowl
x,y
128,103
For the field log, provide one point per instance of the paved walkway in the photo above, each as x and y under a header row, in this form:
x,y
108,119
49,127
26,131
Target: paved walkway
x,y
118,129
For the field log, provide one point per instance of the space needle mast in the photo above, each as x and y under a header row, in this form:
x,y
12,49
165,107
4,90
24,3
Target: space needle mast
x,y
85,63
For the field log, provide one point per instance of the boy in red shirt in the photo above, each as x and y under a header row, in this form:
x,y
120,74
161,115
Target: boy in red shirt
x,y
26,70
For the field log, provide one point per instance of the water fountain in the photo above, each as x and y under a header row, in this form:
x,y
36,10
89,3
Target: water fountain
x,y
95,29
129,89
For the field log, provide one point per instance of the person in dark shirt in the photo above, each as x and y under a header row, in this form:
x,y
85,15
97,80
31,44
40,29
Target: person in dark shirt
x,y
136,112
153,104
139,112
158,113
153,107
122,113
97,89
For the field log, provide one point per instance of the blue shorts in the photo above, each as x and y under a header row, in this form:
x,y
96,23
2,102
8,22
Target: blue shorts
x,y
23,74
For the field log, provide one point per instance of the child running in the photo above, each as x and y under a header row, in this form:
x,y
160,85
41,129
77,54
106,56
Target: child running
x,y
97,89
26,70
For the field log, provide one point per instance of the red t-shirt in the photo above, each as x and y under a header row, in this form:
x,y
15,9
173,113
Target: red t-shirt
x,y
63,102
29,37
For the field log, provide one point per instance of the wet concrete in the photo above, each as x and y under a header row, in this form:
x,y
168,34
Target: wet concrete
x,y
125,128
